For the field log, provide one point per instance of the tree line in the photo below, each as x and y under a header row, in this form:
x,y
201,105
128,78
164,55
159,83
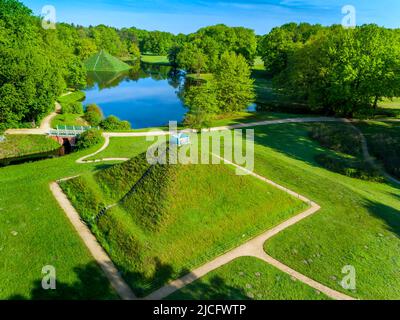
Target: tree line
x,y
334,70
331,70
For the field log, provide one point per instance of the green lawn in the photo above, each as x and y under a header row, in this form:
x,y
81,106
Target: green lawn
x,y
202,76
258,64
35,232
124,147
390,103
22,145
72,97
247,278
359,223
68,120
163,60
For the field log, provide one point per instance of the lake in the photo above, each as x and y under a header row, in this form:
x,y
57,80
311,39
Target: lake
x,y
146,96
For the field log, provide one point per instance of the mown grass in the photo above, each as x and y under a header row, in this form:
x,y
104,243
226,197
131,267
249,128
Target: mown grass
x,y
68,120
124,147
72,97
22,145
163,60
247,278
157,236
35,232
358,225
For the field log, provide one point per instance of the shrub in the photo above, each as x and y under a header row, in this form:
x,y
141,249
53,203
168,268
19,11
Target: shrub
x,y
93,118
117,180
86,202
89,138
349,167
338,137
113,123
94,108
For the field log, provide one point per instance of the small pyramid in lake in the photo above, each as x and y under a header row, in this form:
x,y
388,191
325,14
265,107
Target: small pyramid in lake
x,y
103,61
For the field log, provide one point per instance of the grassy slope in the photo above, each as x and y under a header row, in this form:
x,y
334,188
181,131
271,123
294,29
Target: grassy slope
x,y
127,147
247,278
44,235
209,200
359,223
20,145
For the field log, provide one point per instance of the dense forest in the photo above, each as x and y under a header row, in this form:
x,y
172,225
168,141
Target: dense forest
x,y
332,70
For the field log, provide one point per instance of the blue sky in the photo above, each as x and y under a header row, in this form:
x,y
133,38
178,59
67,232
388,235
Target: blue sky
x,y
189,15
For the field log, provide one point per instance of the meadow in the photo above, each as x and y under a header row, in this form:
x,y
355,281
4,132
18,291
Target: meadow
x,y
36,233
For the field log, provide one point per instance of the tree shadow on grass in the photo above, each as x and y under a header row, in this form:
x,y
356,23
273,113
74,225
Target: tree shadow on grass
x,y
389,215
216,289
144,284
92,284
293,141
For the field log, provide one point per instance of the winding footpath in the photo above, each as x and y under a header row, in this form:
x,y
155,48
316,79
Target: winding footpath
x,y
253,248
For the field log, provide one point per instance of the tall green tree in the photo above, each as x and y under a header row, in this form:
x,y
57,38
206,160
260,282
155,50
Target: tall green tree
x,y
344,71
234,86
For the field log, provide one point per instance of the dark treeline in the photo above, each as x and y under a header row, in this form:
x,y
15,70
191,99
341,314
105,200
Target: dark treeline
x,y
334,70
331,70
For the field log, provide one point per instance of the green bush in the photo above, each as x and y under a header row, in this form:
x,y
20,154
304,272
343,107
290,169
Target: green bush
x,y
147,202
93,118
349,167
117,180
113,123
89,138
338,137
85,201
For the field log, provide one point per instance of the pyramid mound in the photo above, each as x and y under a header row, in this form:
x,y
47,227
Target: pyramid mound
x,y
105,62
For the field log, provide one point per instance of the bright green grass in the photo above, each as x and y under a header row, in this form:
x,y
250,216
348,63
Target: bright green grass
x,y
35,232
390,103
124,147
22,145
359,223
246,117
72,97
202,76
68,120
210,210
155,59
247,278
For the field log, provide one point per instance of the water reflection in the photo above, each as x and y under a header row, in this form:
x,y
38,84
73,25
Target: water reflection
x,y
147,95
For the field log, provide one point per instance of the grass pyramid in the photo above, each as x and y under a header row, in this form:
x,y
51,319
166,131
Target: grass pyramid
x,y
105,62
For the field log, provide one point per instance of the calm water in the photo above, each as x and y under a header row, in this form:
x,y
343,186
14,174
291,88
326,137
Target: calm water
x,y
146,96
